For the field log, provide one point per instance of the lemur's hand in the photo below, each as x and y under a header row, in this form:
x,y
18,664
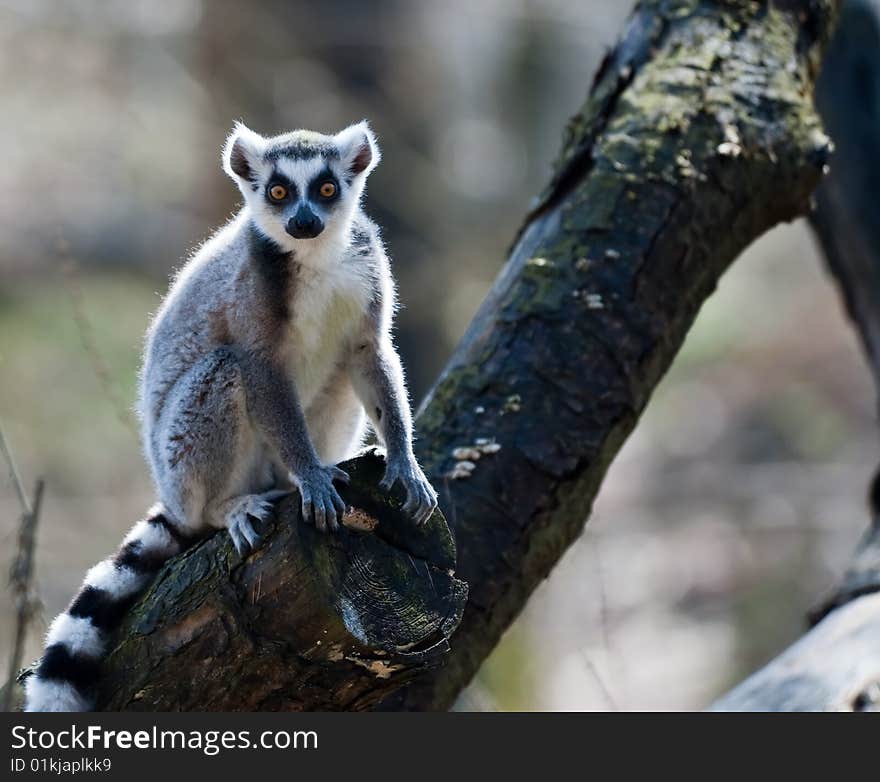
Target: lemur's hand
x,y
421,499
321,503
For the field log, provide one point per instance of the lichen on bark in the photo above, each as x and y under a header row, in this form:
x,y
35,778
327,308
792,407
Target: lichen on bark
x,y
699,134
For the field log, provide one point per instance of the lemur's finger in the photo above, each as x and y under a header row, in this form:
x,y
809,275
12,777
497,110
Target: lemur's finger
x,y
412,499
340,475
306,507
419,513
332,523
425,508
250,533
430,500
390,477
339,504
320,515
237,540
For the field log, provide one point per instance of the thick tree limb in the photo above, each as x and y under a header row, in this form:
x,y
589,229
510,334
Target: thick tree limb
x,y
309,621
698,135
836,666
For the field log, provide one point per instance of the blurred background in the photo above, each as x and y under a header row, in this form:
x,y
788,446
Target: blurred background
x,y
734,505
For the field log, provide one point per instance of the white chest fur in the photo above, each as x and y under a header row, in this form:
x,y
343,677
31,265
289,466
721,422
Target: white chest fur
x,y
328,309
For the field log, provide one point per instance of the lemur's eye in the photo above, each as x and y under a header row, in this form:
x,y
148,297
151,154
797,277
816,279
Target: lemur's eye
x,y
327,190
278,192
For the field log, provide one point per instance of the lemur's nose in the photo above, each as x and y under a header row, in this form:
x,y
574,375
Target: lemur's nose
x,y
305,224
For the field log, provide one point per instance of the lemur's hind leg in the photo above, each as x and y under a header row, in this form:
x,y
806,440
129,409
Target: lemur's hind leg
x,y
214,469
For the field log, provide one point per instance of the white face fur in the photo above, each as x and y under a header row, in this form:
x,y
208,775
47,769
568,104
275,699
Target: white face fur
x,y
302,188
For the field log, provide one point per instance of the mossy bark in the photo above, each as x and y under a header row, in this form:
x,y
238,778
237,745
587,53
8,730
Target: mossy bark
x,y
698,135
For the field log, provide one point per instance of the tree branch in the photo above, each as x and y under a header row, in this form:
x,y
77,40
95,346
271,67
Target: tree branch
x,y
847,226
836,666
698,135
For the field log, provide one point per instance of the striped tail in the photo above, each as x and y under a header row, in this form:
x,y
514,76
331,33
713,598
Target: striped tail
x,y
77,639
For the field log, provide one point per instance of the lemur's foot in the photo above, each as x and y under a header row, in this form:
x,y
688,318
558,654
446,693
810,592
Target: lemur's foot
x,y
241,517
421,499
321,503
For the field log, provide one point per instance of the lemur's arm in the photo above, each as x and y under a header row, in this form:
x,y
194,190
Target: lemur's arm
x,y
377,377
378,380
275,409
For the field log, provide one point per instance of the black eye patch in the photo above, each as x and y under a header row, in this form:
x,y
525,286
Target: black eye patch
x,y
278,180
324,188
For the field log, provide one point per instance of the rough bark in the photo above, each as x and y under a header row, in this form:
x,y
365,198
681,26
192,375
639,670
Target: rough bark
x,y
309,621
836,666
698,135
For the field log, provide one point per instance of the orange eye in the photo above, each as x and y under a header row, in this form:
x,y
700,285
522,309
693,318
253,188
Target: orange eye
x,y
328,190
278,192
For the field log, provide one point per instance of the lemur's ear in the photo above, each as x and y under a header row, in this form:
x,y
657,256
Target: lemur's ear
x,y
243,153
358,148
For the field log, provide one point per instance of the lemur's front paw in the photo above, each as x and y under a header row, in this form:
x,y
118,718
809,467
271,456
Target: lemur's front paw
x,y
421,499
321,503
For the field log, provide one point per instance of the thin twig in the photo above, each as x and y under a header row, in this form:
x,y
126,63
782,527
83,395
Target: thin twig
x,y
604,618
20,576
606,693
14,477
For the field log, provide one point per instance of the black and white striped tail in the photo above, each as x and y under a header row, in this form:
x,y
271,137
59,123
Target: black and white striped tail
x,y
77,639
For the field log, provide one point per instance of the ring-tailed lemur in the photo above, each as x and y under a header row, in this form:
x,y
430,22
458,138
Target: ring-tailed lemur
x,y
258,367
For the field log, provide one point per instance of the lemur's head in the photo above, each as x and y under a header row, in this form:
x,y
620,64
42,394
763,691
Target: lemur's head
x,y
301,186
